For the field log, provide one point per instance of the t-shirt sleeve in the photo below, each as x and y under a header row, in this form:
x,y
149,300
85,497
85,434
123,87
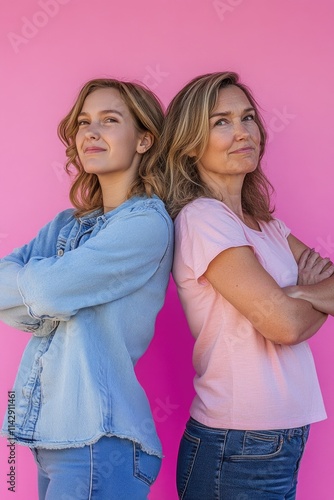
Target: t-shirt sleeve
x,y
205,230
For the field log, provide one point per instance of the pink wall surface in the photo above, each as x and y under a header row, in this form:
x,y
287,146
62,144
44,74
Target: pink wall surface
x,y
283,50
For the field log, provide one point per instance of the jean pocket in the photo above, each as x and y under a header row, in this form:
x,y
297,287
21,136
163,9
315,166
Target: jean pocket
x,y
186,459
260,445
145,467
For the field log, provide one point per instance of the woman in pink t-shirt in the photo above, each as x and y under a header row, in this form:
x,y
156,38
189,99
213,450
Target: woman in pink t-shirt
x,y
236,268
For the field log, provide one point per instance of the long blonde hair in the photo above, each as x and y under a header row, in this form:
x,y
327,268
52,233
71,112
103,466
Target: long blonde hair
x,y
148,115
186,130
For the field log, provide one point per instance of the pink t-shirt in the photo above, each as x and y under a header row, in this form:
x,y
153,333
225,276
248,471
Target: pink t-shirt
x,y
243,380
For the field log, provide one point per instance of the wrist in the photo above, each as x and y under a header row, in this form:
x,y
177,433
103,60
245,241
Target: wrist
x,y
293,291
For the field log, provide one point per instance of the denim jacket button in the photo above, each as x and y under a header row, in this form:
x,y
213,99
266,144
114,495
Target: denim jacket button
x,y
60,252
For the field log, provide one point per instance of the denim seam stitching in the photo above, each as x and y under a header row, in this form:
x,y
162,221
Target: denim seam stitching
x,y
221,466
302,449
197,441
138,473
258,457
91,473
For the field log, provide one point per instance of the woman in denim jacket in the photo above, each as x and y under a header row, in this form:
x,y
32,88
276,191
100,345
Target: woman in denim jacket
x,y
89,288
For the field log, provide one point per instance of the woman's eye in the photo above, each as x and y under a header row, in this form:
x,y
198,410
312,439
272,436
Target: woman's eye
x,y
82,122
249,118
221,122
110,120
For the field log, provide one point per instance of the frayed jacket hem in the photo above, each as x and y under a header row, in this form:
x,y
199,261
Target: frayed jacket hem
x,y
75,444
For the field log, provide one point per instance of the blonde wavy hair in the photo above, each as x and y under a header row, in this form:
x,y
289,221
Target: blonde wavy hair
x,y
147,112
186,130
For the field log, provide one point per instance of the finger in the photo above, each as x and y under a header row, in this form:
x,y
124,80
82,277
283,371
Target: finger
x,y
320,265
327,273
304,257
330,263
312,259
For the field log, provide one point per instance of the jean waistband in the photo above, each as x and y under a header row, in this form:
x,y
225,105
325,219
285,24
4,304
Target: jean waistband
x,y
299,431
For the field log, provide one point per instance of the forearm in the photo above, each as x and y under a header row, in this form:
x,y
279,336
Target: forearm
x,y
18,318
10,297
115,263
310,321
288,320
320,295
13,311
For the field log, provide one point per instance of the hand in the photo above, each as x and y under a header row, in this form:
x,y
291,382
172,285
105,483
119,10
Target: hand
x,y
312,268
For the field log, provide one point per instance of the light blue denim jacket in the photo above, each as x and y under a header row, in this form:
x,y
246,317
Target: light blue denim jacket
x,y
89,290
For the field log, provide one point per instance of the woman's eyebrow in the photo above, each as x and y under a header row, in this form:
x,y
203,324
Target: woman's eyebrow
x,y
227,113
103,112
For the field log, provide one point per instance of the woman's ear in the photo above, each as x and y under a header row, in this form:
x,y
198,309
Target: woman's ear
x,y
145,142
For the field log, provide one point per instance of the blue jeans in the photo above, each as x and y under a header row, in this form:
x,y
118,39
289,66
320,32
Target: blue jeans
x,y
221,464
111,469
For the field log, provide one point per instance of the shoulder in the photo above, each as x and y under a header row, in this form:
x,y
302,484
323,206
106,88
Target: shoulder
x,y
203,206
145,209
144,203
206,227
197,206
278,226
64,216
206,213
143,217
60,220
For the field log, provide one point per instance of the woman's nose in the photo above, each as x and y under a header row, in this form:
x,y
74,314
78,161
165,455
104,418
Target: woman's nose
x,y
240,130
92,131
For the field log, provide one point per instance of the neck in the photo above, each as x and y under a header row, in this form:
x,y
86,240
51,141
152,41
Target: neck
x,y
115,190
231,196
228,189
233,201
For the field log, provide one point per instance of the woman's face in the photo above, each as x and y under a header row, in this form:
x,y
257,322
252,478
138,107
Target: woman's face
x,y
107,141
234,138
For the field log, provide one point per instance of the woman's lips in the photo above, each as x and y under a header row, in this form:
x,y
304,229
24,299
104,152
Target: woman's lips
x,y
247,149
91,150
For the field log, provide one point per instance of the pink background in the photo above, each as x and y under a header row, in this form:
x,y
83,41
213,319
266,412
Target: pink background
x,y
283,51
